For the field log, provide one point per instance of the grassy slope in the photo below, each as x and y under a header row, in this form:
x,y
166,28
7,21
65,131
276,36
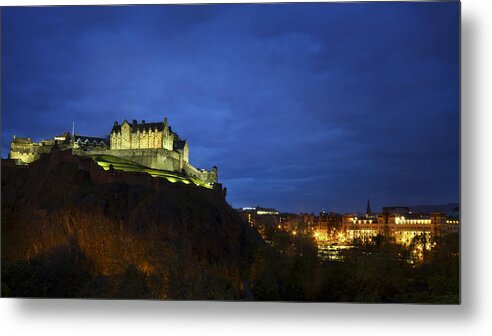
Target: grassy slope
x,y
129,166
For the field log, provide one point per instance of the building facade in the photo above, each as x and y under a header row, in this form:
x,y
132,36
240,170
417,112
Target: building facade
x,y
402,228
157,135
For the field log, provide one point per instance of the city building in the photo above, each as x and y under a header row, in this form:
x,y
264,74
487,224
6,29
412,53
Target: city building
x,y
265,220
399,224
326,226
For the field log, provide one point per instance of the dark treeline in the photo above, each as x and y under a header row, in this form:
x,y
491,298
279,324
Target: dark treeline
x,y
377,272
66,272
287,270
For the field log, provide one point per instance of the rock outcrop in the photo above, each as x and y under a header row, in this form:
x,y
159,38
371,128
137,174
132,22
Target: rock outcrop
x,y
180,241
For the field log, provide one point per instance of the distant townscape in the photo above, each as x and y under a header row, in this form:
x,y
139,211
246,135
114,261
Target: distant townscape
x,y
418,226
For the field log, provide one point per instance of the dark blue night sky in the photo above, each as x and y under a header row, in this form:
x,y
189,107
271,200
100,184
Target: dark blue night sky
x,y
303,107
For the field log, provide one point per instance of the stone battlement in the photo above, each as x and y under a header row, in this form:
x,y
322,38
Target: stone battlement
x,y
48,161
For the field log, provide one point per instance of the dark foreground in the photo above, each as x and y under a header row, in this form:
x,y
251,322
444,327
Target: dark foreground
x,y
72,232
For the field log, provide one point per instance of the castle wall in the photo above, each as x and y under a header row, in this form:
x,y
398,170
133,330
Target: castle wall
x,y
158,159
27,153
203,175
185,153
153,158
24,158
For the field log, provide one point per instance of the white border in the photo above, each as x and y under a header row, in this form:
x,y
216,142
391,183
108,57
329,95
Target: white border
x,y
473,317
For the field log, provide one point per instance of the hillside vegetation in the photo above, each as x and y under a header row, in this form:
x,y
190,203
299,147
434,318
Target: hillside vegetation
x,y
63,235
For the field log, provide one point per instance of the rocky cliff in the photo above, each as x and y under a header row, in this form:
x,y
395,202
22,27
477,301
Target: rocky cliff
x,y
69,228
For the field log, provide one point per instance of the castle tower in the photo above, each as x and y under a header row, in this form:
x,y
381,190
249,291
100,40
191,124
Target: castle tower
x,y
368,209
168,140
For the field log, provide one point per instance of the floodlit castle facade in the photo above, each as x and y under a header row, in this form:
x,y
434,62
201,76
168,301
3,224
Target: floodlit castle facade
x,y
142,135
153,145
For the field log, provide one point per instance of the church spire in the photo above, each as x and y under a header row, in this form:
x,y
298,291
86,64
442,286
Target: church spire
x,y
368,210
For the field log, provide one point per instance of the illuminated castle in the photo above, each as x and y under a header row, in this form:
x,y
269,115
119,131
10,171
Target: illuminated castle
x,y
153,145
142,140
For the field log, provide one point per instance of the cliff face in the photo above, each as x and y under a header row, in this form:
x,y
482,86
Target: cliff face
x,y
135,234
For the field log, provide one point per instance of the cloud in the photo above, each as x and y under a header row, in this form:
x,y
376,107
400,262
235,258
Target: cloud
x,y
301,106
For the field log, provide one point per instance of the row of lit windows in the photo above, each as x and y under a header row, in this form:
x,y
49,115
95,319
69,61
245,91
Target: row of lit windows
x,y
361,221
262,212
397,221
402,220
150,130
